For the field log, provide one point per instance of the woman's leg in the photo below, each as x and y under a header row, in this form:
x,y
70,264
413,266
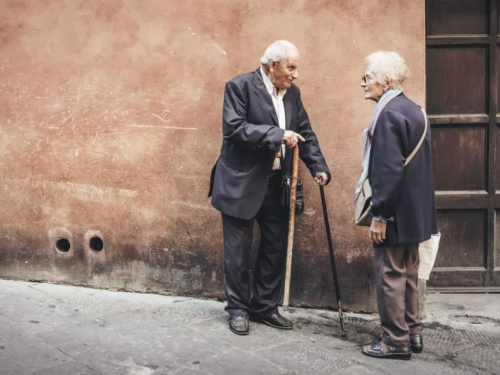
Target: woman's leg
x,y
412,316
390,283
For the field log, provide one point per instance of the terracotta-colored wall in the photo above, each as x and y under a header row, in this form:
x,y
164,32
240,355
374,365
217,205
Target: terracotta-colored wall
x,y
110,116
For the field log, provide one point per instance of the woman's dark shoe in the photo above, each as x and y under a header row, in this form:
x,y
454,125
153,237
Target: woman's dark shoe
x,y
416,343
275,321
379,349
239,325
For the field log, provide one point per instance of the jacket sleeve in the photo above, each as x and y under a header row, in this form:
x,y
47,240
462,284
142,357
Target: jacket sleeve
x,y
387,164
238,130
310,152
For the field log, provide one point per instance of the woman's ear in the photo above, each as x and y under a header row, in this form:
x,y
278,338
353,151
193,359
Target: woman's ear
x,y
387,84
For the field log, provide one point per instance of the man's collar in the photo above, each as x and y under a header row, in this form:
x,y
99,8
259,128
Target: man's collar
x,y
269,86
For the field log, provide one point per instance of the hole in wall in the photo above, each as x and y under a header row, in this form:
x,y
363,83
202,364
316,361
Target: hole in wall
x,y
96,244
63,245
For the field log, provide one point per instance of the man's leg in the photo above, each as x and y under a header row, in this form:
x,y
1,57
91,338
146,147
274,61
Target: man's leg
x,y
237,245
271,257
412,317
390,283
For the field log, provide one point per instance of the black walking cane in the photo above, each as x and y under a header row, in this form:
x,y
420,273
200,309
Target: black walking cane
x,y
343,335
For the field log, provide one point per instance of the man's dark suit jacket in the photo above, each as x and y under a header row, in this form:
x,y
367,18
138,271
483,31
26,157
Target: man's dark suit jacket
x,y
251,138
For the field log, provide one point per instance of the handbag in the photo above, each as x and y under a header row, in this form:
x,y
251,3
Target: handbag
x,y
286,192
363,198
427,252
362,204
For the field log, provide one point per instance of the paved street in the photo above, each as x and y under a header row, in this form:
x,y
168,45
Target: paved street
x,y
53,329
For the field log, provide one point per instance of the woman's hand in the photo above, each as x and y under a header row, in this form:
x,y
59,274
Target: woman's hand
x,y
377,231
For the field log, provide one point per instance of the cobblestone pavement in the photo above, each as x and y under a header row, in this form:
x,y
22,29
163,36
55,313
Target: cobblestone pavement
x,y
53,329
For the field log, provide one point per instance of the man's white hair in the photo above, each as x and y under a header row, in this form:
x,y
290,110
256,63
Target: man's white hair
x,y
279,51
388,66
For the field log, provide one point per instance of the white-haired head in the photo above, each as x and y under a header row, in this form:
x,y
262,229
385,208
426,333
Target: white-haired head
x,y
386,66
279,51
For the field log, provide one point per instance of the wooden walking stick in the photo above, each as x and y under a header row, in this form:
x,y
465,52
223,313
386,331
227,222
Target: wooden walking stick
x,y
291,226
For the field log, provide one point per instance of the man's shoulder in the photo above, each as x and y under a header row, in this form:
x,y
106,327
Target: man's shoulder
x,y
242,78
293,90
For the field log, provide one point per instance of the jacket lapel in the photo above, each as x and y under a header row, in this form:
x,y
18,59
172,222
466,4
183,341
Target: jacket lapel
x,y
265,98
287,101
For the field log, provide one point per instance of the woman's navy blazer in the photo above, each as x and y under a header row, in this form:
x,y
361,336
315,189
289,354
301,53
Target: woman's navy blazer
x,y
405,193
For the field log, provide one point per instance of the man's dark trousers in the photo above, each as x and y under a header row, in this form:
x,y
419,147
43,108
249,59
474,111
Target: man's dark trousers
x,y
272,218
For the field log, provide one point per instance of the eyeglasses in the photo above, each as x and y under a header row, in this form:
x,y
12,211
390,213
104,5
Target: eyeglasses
x,y
366,79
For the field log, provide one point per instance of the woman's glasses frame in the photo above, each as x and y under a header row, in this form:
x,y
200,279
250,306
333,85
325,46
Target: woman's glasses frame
x,y
366,79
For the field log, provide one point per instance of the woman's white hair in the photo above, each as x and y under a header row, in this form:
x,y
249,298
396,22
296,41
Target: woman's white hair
x,y
279,51
388,66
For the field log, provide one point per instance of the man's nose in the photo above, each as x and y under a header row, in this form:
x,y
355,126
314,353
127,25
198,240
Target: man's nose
x,y
295,74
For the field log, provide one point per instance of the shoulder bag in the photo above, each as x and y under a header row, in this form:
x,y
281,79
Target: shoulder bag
x,y
363,199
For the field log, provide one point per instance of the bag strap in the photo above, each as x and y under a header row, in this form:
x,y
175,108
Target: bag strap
x,y
408,159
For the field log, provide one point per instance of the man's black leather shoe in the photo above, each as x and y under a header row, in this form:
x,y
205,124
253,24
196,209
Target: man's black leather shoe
x,y
416,343
239,325
275,321
378,349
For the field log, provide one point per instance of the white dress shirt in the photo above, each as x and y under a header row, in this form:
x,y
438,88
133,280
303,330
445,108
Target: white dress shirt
x,y
279,107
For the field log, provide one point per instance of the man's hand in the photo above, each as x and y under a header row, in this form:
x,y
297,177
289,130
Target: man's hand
x,y
377,231
290,139
321,178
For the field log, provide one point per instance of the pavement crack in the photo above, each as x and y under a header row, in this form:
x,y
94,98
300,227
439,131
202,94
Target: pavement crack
x,y
199,322
70,356
263,348
477,319
44,293
76,360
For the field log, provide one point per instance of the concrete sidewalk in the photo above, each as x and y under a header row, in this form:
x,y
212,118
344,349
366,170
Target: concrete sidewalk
x,y
54,329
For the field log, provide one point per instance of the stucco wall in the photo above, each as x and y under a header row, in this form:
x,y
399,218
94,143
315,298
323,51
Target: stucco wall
x,y
110,116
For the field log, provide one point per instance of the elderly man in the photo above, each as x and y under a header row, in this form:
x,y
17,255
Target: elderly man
x,y
263,118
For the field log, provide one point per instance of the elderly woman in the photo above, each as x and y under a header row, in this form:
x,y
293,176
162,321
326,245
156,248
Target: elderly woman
x,y
398,163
